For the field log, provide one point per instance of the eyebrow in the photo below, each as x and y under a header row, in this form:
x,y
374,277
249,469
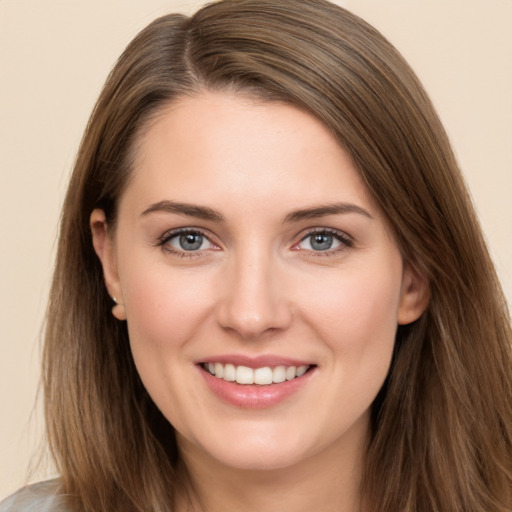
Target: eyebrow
x,y
205,213
324,210
190,210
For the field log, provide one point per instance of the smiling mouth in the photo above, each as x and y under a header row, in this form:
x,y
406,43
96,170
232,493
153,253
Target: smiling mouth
x,y
263,376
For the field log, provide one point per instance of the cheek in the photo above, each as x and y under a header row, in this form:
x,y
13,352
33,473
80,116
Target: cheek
x,y
164,312
373,307
357,315
162,307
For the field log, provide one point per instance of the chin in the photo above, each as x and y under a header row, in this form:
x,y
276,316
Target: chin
x,y
249,449
255,459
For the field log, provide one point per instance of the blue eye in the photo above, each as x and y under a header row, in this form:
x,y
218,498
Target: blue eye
x,y
323,241
190,241
186,241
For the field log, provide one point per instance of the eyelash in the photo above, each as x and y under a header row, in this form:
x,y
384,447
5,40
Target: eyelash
x,y
345,241
164,240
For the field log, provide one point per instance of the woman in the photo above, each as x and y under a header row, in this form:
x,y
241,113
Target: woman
x,y
271,289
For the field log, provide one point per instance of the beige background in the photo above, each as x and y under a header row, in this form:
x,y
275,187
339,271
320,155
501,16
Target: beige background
x,y
54,56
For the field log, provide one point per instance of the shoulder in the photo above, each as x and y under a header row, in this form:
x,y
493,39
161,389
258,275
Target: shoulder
x,y
40,497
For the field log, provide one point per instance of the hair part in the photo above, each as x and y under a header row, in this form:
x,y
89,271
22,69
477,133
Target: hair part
x,y
442,424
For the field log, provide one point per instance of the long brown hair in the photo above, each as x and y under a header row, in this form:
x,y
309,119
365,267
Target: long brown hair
x,y
441,436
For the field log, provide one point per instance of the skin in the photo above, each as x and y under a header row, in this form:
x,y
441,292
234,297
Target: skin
x,y
257,286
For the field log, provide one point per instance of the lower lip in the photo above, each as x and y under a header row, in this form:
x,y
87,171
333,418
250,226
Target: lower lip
x,y
254,396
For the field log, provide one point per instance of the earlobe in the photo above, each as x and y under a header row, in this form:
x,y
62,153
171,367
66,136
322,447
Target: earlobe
x,y
104,248
414,298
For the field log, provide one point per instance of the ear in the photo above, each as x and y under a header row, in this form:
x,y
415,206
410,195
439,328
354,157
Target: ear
x,y
415,296
104,248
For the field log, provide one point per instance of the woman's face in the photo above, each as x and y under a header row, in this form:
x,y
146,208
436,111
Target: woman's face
x,y
249,249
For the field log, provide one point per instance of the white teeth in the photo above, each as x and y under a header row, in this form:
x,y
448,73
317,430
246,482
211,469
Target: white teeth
x,y
263,376
244,375
291,372
219,370
279,374
229,373
301,370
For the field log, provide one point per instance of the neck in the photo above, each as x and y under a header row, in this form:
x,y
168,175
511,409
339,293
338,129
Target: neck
x,y
328,481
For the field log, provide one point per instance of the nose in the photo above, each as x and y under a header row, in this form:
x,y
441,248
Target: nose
x,y
254,301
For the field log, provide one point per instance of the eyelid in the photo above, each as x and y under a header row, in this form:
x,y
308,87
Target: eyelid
x,y
162,241
345,239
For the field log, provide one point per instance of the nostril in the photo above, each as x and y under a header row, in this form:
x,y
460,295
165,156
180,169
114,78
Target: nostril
x,y
250,324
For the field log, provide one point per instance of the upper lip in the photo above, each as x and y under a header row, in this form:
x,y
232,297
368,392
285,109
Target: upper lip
x,y
255,361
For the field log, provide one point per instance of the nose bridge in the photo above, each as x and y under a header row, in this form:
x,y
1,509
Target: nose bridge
x,y
254,302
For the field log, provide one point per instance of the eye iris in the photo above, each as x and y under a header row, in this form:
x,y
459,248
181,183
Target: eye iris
x,y
321,241
191,241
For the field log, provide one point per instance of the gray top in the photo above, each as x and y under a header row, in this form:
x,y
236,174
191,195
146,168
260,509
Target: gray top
x,y
41,497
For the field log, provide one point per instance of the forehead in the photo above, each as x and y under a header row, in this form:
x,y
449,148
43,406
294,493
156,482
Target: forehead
x,y
218,142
